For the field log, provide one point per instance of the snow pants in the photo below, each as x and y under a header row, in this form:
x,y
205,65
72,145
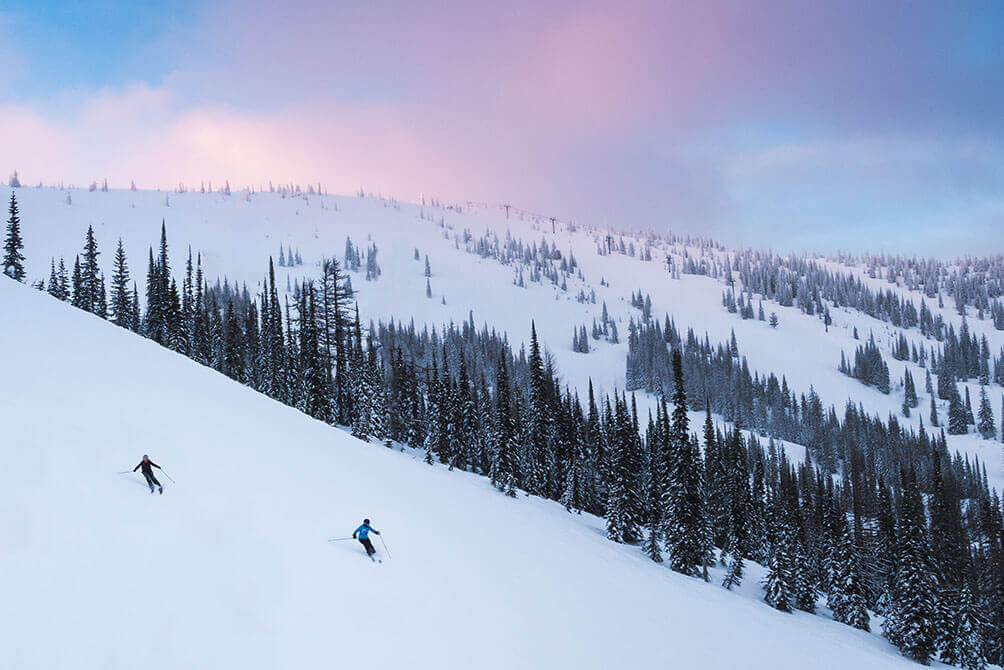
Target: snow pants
x,y
365,541
151,481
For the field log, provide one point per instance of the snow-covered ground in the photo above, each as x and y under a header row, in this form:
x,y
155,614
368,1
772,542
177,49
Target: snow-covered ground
x,y
237,233
231,567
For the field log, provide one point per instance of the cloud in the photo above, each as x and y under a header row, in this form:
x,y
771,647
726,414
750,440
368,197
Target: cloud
x,y
786,120
148,134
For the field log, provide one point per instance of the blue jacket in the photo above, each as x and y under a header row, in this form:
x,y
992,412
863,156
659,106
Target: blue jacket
x,y
363,531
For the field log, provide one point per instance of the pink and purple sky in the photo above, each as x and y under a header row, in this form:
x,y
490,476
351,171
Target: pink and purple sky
x,y
794,125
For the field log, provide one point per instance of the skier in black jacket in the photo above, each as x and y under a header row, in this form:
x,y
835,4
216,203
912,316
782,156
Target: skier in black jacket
x,y
148,466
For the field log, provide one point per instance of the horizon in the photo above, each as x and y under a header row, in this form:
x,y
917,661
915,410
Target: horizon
x,y
497,207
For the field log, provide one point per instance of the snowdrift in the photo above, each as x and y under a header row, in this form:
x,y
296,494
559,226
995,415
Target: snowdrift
x,y
231,567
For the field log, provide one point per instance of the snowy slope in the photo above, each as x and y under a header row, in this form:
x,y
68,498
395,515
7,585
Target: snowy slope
x,y
236,234
231,568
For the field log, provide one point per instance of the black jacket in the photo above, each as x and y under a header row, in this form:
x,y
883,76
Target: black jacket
x,y
145,464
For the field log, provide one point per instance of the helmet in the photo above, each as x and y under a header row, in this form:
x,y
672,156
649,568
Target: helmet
x,y
145,457
366,520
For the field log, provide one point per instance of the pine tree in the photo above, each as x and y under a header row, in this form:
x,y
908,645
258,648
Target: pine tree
x,y
847,596
252,344
779,587
101,309
738,500
961,643
433,423
958,421
360,388
58,282
758,514
909,391
945,382
985,424
173,320
274,363
188,306
53,287
467,428
909,622
334,300
121,295
379,428
886,549
64,281
317,401
631,435
715,476
686,524
447,412
538,423
801,569
90,275
655,490
233,353
577,491
504,459
970,419
622,487
136,320
13,259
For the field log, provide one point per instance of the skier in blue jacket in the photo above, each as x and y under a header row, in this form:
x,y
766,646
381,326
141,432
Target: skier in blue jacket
x,y
362,534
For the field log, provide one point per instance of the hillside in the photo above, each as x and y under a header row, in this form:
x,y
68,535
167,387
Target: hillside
x,y
236,234
231,568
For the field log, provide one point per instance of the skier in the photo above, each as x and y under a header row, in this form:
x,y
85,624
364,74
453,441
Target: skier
x,y
148,466
363,532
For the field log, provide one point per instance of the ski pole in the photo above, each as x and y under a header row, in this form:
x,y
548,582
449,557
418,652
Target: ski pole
x,y
384,545
127,472
168,476
339,539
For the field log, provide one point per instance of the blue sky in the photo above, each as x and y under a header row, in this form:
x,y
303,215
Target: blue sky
x,y
793,125
89,45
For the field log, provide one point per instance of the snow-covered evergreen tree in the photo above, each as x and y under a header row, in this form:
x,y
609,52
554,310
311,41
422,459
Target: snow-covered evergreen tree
x,y
847,595
958,420
13,259
505,463
737,496
685,518
985,422
655,485
538,425
779,586
909,622
121,306
960,643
